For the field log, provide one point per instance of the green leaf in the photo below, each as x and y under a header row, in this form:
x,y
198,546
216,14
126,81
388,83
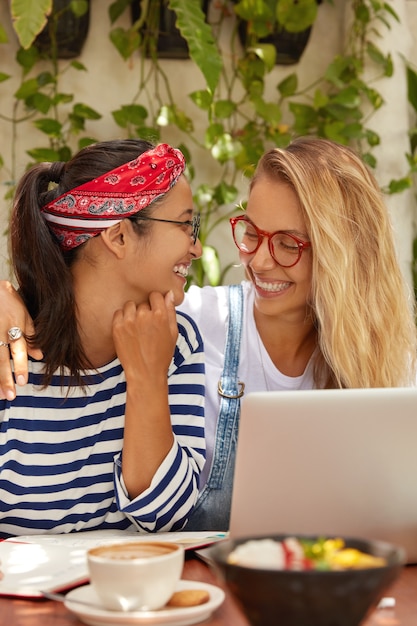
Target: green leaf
x,y
86,112
63,98
296,15
199,37
26,89
78,66
288,86
362,13
369,159
213,132
182,120
375,53
4,77
86,141
27,58
412,87
202,98
400,184
3,35
266,52
49,126
269,111
224,108
254,10
29,18
125,41
336,131
44,154
374,97
388,8
335,72
348,97
211,265
79,7
225,193
40,102
134,114
320,99
372,138
171,114
117,8
77,123
305,117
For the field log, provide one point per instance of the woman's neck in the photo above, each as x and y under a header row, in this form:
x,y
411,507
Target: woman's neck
x,y
290,344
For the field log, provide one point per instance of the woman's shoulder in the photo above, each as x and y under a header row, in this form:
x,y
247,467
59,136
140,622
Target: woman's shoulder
x,y
188,328
209,303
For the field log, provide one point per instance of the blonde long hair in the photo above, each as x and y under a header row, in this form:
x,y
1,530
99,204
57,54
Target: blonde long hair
x,y
363,308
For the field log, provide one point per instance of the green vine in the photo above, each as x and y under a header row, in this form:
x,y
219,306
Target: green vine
x,y
241,121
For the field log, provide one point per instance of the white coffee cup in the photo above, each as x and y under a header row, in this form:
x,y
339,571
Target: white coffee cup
x,y
135,575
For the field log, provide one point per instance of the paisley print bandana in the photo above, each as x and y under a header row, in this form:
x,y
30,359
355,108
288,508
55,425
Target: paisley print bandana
x,y
88,209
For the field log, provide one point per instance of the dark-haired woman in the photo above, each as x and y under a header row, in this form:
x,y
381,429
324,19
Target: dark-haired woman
x,y
108,432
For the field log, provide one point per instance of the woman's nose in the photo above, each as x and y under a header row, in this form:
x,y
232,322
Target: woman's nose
x,y
197,249
262,258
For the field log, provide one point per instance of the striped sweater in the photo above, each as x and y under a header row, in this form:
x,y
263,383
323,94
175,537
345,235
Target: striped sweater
x,y
60,453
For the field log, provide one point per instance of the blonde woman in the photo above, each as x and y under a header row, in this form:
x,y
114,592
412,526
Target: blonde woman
x,y
324,304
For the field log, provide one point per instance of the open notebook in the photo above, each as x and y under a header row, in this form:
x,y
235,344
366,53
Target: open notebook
x,y
57,562
328,462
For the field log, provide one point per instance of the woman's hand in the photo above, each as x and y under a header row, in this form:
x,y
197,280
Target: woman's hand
x,y
145,337
14,313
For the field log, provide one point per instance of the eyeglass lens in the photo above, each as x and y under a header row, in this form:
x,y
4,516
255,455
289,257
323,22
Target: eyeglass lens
x,y
283,247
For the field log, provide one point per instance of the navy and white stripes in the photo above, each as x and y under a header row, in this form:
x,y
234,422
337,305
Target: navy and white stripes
x,y
60,467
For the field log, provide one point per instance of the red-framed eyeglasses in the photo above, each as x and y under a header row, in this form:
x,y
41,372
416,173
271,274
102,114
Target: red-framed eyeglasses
x,y
285,249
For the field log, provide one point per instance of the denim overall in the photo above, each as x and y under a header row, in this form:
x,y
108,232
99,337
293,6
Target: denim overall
x,y
212,510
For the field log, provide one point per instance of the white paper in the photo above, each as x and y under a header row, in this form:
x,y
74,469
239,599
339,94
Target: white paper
x,y
32,563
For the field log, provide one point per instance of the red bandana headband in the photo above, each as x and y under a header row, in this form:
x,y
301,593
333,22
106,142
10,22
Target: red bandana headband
x,y
88,209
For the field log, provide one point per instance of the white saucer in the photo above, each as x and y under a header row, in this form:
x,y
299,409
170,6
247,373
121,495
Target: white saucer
x,y
173,616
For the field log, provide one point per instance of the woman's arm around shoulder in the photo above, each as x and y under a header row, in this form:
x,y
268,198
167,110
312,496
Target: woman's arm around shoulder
x,y
14,314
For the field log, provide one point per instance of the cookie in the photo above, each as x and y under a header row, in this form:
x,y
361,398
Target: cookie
x,y
189,597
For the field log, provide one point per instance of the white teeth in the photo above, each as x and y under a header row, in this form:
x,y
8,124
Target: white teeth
x,y
272,286
181,269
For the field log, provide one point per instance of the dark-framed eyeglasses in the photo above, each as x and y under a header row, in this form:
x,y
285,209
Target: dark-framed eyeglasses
x,y
194,223
285,249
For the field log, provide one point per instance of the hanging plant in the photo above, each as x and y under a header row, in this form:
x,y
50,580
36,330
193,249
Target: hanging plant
x,y
284,25
66,29
157,21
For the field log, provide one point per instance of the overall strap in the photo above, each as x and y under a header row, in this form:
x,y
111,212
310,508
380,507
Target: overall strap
x,y
228,386
230,390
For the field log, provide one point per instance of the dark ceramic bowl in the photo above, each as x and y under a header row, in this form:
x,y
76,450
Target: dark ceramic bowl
x,y
307,598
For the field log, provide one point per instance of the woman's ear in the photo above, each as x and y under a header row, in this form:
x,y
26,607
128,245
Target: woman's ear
x,y
115,238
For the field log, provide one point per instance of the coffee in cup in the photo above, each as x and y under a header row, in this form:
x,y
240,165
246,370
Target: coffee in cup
x,y
135,575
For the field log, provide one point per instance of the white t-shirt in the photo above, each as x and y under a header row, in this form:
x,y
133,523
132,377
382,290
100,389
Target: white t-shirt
x,y
208,306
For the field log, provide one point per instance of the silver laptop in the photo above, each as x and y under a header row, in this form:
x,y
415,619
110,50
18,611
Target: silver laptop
x,y
328,462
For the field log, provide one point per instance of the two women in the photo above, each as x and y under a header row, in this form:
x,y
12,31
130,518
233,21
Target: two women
x,y
324,304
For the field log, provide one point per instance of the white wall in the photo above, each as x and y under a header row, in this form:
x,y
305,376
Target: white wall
x,y
113,82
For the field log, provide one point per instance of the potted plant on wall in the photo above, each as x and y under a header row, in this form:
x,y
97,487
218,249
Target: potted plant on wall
x,y
159,21
284,25
66,29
